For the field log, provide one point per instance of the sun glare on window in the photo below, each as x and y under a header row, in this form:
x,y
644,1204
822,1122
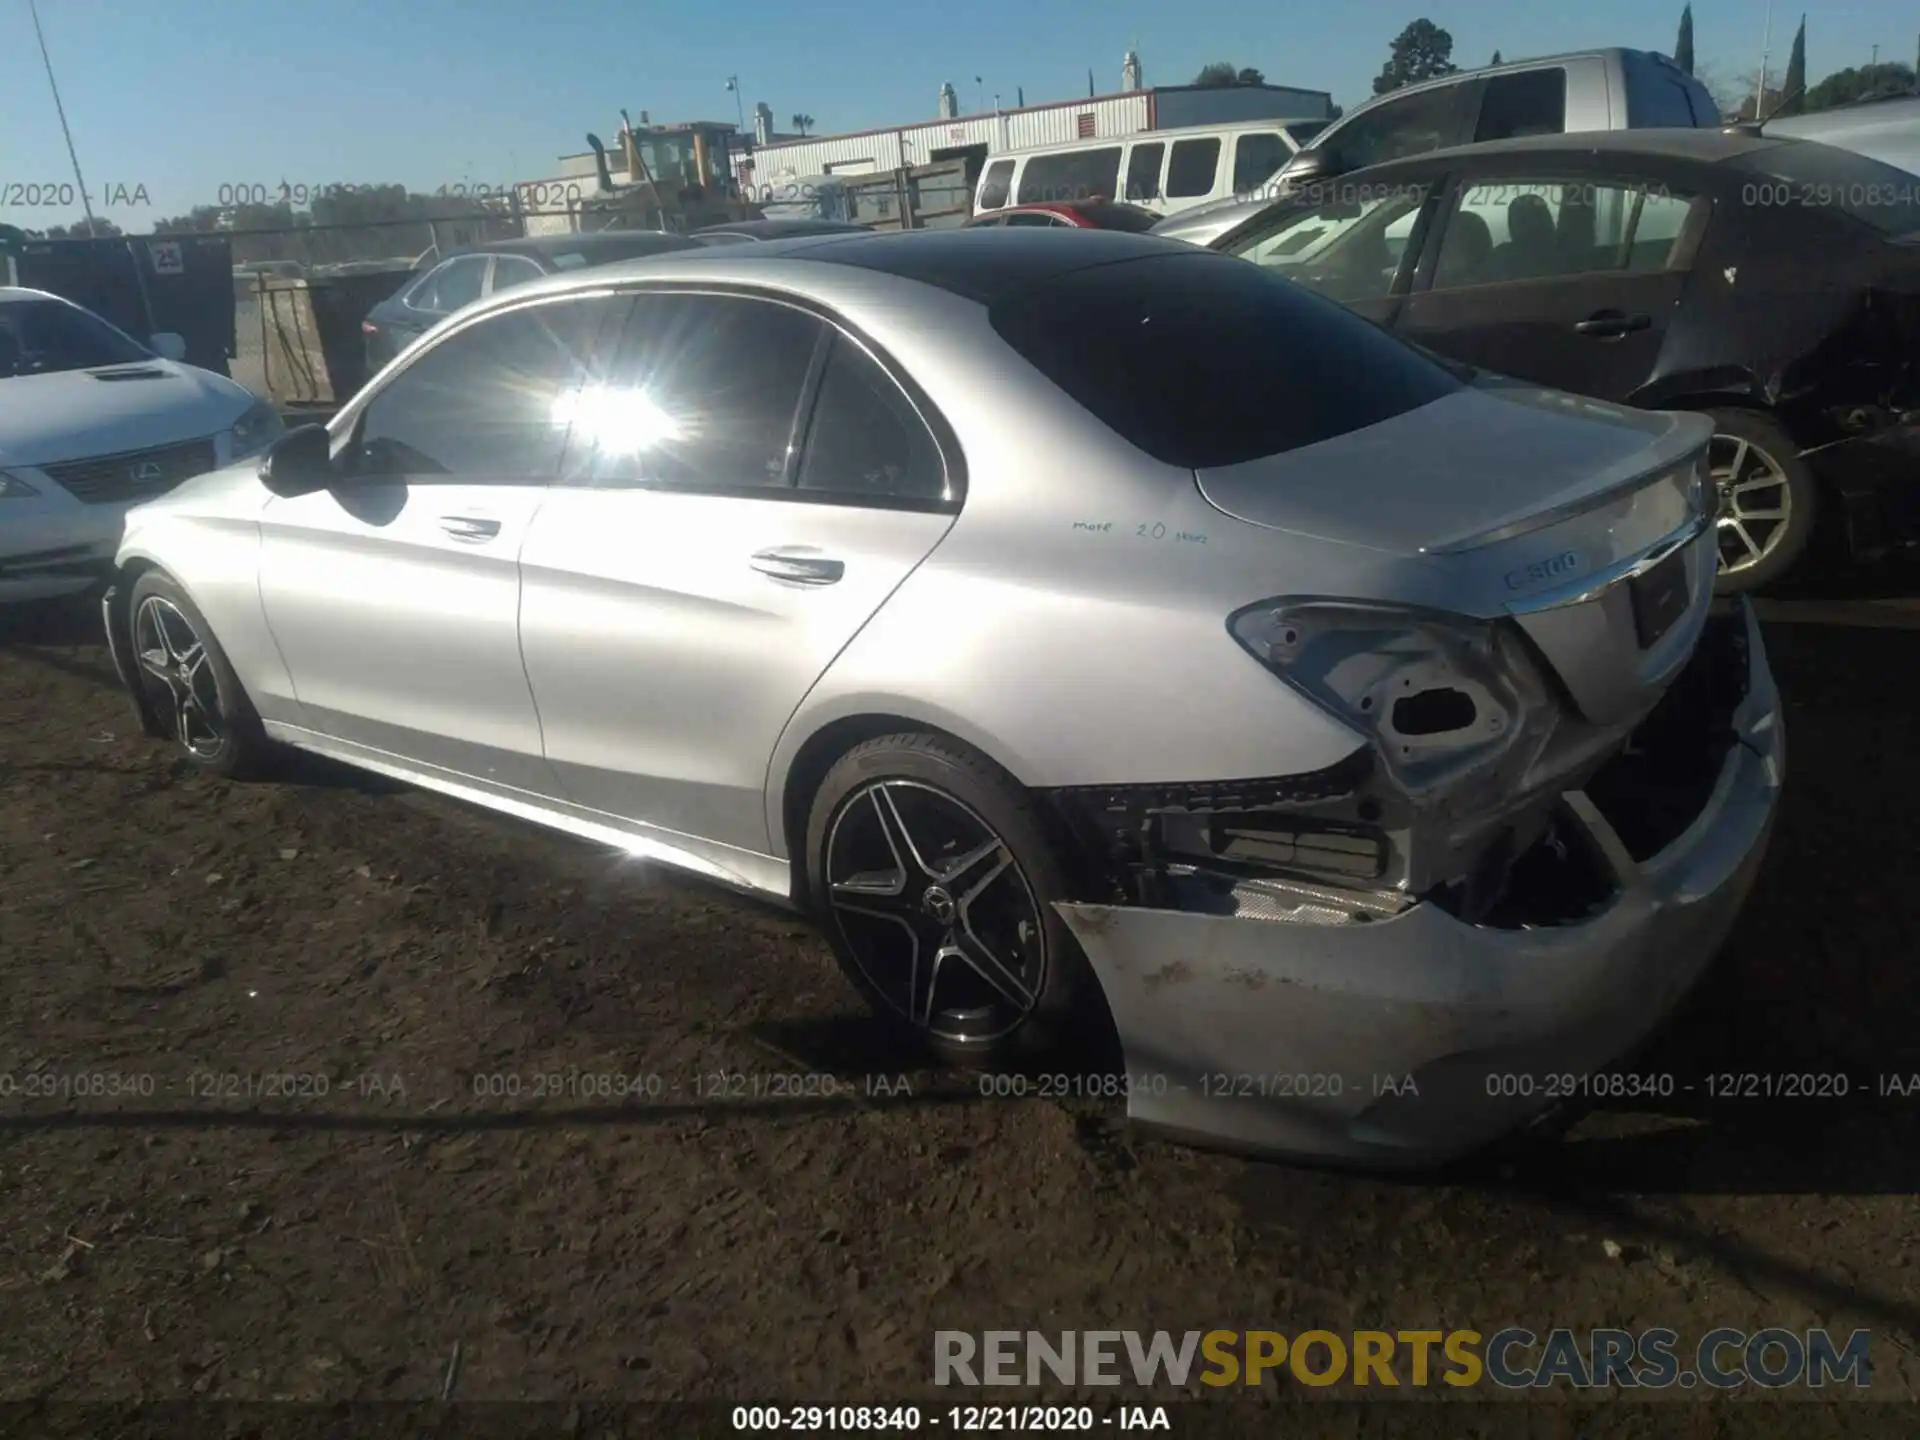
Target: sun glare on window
x,y
617,420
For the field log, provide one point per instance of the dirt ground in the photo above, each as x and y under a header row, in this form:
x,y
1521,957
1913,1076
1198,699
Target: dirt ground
x,y
181,1239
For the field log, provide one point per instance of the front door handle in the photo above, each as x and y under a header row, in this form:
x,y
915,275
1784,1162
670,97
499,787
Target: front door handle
x,y
471,528
1612,324
798,569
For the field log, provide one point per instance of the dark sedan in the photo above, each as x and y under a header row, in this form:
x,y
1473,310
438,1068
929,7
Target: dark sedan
x,y
1771,284
741,231
1073,215
462,278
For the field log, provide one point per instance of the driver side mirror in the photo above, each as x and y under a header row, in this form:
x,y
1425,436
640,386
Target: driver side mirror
x,y
299,463
1308,167
167,345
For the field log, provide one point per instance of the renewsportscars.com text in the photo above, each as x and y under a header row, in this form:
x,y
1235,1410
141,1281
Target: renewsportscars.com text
x,y
1511,1358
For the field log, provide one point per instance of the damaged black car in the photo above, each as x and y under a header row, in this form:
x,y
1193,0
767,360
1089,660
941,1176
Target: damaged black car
x,y
1772,284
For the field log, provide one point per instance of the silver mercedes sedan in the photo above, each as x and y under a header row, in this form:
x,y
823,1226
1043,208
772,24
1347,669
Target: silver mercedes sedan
x,y
1122,652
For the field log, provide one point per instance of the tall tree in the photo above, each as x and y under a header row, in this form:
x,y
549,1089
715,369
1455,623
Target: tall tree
x,y
1843,87
803,123
1496,58
1216,76
1794,87
1419,52
1683,43
1249,76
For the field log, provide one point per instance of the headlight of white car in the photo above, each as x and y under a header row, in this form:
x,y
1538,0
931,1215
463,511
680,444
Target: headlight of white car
x,y
12,487
256,429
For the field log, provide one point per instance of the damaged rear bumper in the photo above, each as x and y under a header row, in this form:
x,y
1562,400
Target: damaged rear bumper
x,y
1296,1033
1877,479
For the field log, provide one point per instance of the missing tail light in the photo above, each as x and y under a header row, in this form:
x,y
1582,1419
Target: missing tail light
x,y
1445,699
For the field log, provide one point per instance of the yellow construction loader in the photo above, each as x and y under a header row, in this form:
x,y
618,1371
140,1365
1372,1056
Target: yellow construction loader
x,y
678,178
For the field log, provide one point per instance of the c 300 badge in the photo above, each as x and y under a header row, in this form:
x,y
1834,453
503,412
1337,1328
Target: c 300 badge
x,y
1563,566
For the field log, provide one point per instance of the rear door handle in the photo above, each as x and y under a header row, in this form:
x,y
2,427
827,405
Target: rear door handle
x,y
1611,324
798,569
470,528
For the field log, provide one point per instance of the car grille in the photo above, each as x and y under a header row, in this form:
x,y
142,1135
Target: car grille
x,y
135,475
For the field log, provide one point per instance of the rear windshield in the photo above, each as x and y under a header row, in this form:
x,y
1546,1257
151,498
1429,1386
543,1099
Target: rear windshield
x,y
1798,173
1205,361
1131,218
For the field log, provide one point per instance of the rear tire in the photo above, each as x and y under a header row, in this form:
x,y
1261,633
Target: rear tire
x,y
1769,501
934,875
189,686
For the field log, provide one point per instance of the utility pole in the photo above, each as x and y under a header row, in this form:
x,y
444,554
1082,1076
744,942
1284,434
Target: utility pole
x,y
1876,56
1766,51
739,105
61,110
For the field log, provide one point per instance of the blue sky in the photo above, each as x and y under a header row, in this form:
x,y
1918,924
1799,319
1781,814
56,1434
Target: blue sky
x,y
185,96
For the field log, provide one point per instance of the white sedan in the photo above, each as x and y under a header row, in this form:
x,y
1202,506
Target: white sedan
x,y
91,423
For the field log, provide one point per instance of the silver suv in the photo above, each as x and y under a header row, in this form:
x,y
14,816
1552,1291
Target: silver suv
x,y
1611,89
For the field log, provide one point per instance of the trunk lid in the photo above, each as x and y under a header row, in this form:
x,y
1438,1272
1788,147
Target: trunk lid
x,y
1489,461
1584,524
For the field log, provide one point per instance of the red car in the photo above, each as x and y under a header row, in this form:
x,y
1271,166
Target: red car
x,y
1073,214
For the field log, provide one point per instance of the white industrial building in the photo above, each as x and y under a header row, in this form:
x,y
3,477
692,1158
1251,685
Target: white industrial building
x,y
974,137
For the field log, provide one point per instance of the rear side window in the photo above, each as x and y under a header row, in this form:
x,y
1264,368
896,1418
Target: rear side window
x,y
1531,102
702,395
1074,175
867,442
1205,361
1191,171
1658,102
1143,171
997,185
454,284
511,270
1255,159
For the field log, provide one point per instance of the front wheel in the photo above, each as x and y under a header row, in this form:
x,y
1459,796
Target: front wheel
x,y
1769,500
934,876
187,684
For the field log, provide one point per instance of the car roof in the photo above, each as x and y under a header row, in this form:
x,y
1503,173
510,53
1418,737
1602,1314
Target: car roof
x,y
782,229
987,262
22,293
1702,146
583,243
1524,62
982,264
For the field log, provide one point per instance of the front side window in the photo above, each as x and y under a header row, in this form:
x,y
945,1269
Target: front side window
x,y
1528,102
1071,175
43,337
1143,171
1192,168
701,395
1201,361
489,404
866,441
1411,125
1033,217
996,186
1349,251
